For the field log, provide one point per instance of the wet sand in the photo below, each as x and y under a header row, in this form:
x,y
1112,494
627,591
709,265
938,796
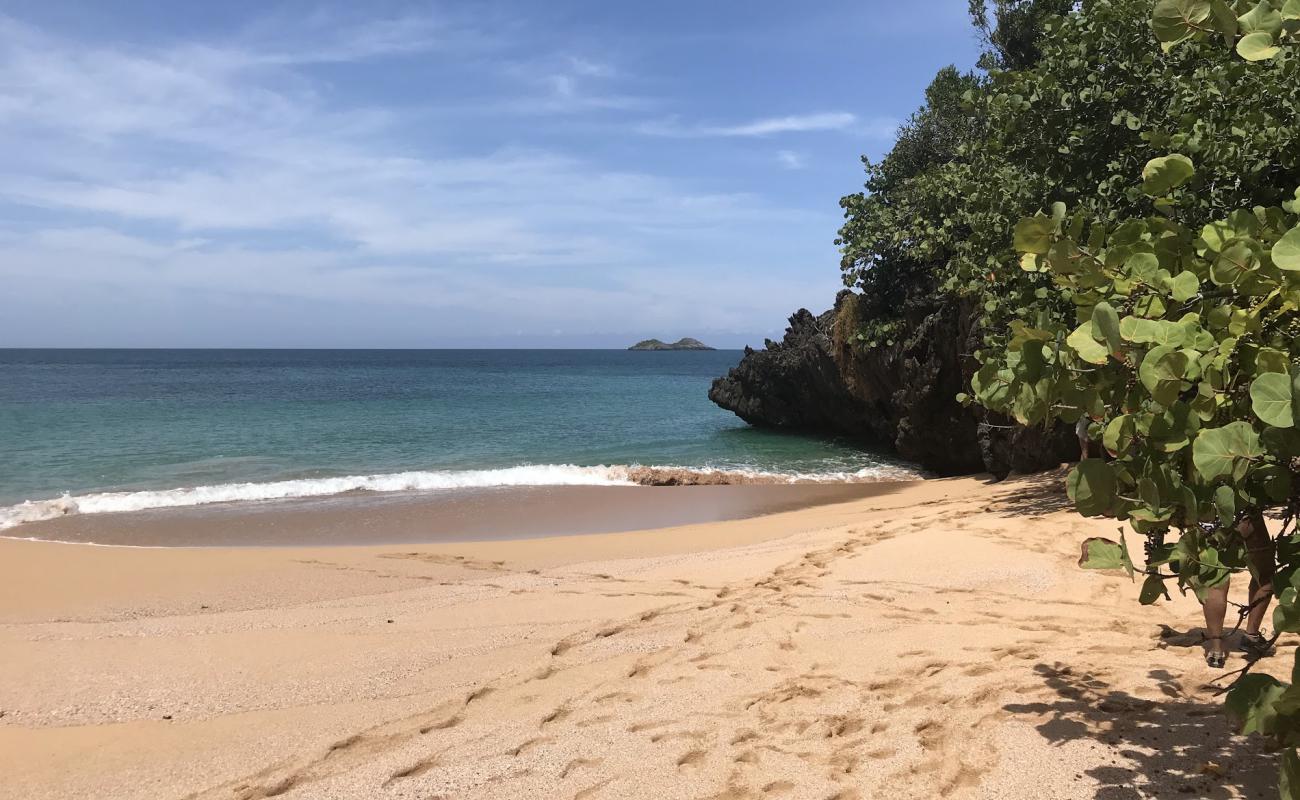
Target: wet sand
x,y
933,641
462,515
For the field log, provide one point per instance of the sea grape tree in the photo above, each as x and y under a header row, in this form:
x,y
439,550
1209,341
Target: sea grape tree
x,y
1180,349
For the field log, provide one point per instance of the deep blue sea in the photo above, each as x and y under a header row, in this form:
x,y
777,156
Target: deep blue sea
x,y
111,430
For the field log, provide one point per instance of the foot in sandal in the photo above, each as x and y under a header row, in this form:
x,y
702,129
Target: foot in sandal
x,y
1215,657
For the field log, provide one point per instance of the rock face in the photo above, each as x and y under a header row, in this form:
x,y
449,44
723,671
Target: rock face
x,y
686,343
900,397
794,383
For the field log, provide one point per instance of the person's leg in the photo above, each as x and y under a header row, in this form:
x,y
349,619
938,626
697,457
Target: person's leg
x,y
1215,607
1259,549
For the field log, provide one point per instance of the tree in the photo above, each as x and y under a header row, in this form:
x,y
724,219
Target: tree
x,y
1181,343
1011,37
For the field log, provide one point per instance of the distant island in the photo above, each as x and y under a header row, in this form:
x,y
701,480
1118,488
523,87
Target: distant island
x,y
681,344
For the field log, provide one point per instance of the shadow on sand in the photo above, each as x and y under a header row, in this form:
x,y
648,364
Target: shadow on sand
x,y
1177,747
1031,495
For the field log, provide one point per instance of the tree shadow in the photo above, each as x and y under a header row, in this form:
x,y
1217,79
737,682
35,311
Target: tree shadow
x,y
1032,496
1172,748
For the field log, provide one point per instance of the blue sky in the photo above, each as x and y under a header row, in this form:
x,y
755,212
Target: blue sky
x,y
558,174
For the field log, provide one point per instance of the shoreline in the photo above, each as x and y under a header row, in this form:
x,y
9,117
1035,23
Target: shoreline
x,y
449,516
936,640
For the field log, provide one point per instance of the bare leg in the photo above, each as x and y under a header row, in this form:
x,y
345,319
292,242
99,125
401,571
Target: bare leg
x,y
1215,607
1259,549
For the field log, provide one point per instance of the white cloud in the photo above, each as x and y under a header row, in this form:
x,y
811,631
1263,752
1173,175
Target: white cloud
x,y
178,174
791,160
590,68
805,123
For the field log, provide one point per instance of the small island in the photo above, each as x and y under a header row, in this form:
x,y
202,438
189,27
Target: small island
x,y
686,343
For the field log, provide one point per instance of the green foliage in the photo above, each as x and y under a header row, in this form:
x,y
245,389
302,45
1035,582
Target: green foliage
x,y
1176,329
1011,30
1099,553
1074,121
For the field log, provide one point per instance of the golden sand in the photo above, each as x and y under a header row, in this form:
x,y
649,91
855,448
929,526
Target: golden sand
x,y
938,641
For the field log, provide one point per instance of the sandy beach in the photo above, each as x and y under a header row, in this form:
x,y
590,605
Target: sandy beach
x,y
933,641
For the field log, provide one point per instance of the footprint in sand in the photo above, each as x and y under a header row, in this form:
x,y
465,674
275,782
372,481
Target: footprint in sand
x,y
418,768
577,764
691,758
530,744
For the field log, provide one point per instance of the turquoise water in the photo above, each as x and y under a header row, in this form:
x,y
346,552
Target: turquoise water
x,y
124,429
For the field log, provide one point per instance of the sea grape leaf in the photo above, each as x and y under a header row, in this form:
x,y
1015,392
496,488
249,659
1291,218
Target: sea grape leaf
x,y
1263,18
1153,588
1220,452
1274,481
1162,371
1150,306
1234,261
1105,326
1186,286
1164,174
1251,701
1153,331
1088,348
1286,252
1271,399
1174,21
1289,781
1119,434
1225,502
1142,265
1091,485
1286,617
1101,553
1034,235
1225,20
1257,46
1271,360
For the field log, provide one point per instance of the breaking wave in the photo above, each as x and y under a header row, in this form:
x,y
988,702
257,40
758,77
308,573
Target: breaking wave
x,y
423,481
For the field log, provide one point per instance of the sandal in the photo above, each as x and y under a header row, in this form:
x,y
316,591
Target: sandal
x,y
1255,644
1216,659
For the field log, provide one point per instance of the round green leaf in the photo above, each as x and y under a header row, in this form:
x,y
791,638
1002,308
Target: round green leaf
x,y
1220,452
1034,235
1270,399
1162,372
1186,286
1091,485
1088,348
1174,21
1286,252
1263,18
1162,175
1258,46
1119,434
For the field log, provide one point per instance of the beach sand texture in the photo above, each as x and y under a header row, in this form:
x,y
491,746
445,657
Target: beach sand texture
x,y
937,641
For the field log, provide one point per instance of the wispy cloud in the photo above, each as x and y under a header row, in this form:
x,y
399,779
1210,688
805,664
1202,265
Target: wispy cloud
x,y
791,160
804,123
185,172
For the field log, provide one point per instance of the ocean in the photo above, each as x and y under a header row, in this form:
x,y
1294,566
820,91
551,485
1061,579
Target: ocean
x,y
95,431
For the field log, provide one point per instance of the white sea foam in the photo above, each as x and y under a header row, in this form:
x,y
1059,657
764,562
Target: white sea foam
x,y
529,475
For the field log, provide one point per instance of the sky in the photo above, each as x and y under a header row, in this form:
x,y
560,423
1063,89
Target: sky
x,y
440,174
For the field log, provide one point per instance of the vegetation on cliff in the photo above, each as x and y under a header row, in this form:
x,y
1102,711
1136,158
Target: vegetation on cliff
x,y
1073,126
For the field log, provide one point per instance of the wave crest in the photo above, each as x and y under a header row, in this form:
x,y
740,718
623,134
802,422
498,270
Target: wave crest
x,y
419,481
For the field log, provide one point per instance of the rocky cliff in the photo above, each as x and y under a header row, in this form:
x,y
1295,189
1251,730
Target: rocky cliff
x,y
900,397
